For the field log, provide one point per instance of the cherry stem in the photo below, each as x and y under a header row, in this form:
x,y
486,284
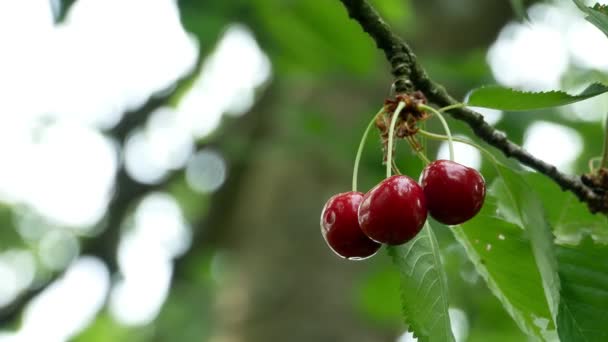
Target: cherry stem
x,y
396,169
460,140
361,145
419,153
592,162
604,161
446,127
391,133
450,107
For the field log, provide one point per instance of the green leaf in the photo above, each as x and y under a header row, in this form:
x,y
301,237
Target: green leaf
x,y
509,99
582,266
597,15
516,192
424,290
583,271
499,243
569,218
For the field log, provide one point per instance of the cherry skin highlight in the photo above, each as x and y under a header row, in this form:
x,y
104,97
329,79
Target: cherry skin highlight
x,y
341,230
454,193
394,211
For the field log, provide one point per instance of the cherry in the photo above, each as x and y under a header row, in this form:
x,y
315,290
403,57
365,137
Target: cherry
x,y
454,192
341,230
394,211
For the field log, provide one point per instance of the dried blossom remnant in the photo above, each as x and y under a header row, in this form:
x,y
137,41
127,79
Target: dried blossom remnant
x,y
409,115
407,122
383,124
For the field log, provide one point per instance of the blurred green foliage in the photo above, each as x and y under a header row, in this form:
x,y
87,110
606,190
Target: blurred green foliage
x,y
328,80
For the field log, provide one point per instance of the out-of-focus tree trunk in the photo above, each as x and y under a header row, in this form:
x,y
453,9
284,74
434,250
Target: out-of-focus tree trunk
x,y
283,283
286,285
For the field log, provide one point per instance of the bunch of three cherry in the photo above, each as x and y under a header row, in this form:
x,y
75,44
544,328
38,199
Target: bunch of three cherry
x,y
393,212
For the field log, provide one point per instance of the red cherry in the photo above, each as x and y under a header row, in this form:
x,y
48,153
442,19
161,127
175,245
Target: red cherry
x,y
341,229
394,211
454,193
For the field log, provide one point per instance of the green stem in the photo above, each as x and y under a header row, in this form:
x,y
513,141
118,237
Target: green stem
x,y
460,140
360,149
604,161
446,127
592,162
396,169
423,157
450,107
391,133
420,154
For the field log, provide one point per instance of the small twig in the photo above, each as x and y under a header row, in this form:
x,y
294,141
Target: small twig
x,y
409,75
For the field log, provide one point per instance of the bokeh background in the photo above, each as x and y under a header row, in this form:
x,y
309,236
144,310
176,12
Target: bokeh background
x,y
164,163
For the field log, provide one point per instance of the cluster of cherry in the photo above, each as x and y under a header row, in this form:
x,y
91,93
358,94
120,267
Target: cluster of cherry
x,y
355,225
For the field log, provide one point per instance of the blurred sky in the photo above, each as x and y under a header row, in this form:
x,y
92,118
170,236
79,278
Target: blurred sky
x,y
64,85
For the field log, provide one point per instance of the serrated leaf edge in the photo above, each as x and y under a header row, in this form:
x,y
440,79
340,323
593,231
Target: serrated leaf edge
x,y
573,97
427,233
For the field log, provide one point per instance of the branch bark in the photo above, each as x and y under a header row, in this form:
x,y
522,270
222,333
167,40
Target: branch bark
x,y
410,75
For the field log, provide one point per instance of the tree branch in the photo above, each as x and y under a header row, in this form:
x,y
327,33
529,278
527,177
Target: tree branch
x,y
410,75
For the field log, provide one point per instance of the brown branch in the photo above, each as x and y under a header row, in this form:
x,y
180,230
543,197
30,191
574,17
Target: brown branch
x,y
409,75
